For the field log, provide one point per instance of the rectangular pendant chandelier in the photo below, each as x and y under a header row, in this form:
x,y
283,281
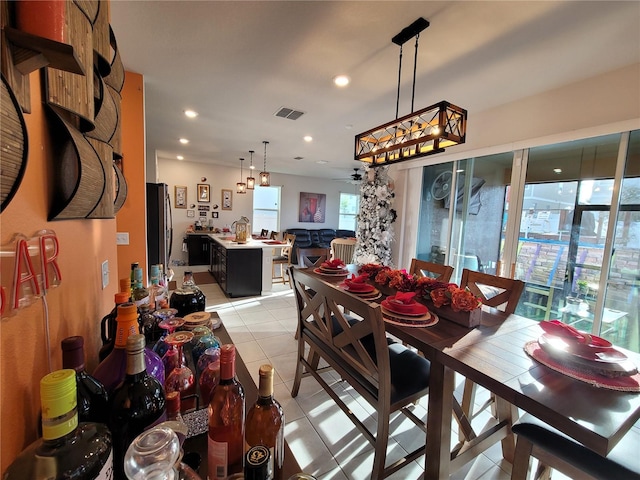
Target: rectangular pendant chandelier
x,y
417,134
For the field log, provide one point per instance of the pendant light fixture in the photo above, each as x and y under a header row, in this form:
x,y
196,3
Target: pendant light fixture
x,y
241,187
422,132
251,182
265,178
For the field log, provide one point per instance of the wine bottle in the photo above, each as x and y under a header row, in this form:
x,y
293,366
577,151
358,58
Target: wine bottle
x,y
189,298
93,400
139,293
112,369
136,404
226,420
68,449
265,422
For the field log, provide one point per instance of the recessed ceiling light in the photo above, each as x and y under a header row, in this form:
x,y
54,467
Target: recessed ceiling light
x,y
557,170
184,141
308,138
191,113
180,157
341,80
321,162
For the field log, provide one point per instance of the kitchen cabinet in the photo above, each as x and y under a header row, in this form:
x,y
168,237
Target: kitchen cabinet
x,y
238,271
198,249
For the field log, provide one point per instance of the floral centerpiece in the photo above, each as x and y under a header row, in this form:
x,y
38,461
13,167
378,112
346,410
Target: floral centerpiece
x,y
446,299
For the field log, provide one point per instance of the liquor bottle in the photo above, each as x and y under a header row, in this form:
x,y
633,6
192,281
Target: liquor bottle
x,y
134,265
93,400
108,325
140,293
158,291
226,420
112,369
135,405
67,449
189,298
265,422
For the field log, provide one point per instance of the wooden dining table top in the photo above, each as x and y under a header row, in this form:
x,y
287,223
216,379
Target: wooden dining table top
x,y
493,355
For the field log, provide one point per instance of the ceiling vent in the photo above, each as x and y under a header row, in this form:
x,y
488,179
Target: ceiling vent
x,y
289,113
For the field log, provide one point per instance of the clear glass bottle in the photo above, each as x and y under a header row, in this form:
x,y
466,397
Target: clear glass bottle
x,y
189,298
134,265
67,449
93,401
140,293
265,422
112,369
135,405
225,450
159,297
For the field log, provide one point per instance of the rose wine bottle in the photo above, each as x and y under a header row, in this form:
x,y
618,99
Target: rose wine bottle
x,y
135,405
93,400
226,420
67,449
111,371
265,422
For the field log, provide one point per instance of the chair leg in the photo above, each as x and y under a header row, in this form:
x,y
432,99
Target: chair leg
x,y
521,459
380,455
299,369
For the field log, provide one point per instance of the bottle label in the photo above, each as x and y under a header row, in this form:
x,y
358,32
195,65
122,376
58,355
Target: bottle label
x,y
218,457
142,301
106,472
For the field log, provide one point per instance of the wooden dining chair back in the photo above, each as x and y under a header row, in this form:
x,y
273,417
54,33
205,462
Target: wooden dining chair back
x,y
343,248
264,233
437,271
494,291
498,292
275,235
387,375
312,257
283,261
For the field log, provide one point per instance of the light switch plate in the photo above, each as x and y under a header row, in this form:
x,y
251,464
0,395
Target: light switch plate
x,y
105,274
122,238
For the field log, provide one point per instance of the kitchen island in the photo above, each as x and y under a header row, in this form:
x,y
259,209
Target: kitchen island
x,y
241,269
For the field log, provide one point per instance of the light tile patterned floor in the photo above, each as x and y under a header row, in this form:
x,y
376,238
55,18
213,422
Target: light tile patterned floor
x,y
323,440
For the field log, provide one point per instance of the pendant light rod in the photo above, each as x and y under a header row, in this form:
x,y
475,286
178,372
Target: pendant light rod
x,y
400,39
411,31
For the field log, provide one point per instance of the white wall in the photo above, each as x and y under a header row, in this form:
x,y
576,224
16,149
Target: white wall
x,y
189,174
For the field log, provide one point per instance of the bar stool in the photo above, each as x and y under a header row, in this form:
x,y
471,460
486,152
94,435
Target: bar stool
x,y
556,450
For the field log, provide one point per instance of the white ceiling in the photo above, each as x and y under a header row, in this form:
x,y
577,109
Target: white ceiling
x,y
238,62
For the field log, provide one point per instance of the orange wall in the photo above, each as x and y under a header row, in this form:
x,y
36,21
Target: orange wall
x,y
75,307
132,216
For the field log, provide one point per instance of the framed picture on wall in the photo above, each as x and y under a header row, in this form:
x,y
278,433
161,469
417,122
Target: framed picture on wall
x,y
312,207
227,199
180,197
214,214
203,193
191,213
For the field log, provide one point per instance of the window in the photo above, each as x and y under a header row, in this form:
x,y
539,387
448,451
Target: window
x,y
266,209
349,205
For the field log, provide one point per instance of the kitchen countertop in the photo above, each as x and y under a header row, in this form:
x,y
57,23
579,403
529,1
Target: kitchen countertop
x,y
226,240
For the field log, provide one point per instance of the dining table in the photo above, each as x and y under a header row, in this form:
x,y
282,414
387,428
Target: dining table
x,y
493,355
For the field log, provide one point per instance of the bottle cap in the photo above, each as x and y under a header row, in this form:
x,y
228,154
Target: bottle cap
x,y
135,343
125,284
127,311
265,373
59,403
227,361
256,466
122,297
73,353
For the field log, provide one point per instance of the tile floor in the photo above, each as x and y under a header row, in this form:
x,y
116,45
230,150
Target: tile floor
x,y
323,440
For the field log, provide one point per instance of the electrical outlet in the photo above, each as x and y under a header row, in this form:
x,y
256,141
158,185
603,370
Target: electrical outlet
x,y
122,238
105,274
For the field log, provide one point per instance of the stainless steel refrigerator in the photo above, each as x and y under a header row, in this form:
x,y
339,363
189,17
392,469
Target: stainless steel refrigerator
x,y
159,225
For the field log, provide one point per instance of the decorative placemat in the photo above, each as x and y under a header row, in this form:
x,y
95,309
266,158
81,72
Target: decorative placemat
x,y
429,320
621,384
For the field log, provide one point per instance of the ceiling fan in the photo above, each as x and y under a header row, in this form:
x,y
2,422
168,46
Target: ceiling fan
x,y
354,178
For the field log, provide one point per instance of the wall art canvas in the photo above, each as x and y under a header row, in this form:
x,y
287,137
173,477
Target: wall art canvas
x,y
312,207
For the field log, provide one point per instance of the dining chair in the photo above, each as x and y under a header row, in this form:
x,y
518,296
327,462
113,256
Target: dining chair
x,y
264,232
283,260
494,291
386,374
343,248
556,450
274,235
312,257
437,271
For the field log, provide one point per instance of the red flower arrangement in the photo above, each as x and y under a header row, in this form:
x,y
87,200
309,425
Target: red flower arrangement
x,y
440,293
